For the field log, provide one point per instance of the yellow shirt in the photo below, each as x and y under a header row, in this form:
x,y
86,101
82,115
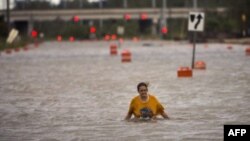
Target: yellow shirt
x,y
152,103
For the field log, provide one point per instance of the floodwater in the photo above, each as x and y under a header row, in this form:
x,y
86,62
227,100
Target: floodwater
x,y
78,92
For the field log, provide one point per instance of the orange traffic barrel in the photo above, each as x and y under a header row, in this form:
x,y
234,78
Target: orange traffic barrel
x,y
17,49
121,40
135,39
71,39
184,72
206,46
8,51
248,51
113,37
126,56
200,65
59,38
113,49
107,37
36,44
229,47
26,48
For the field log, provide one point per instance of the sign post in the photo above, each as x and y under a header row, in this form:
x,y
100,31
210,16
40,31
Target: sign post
x,y
195,24
120,30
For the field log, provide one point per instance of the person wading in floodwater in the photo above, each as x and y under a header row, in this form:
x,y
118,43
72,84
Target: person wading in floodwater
x,y
145,105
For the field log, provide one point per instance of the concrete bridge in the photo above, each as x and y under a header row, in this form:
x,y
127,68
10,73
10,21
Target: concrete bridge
x,y
29,16
89,14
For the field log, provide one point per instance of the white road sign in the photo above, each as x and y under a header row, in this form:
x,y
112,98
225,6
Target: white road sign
x,y
196,21
12,36
120,30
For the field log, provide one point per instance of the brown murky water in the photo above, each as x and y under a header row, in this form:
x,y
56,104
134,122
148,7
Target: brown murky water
x,y
78,92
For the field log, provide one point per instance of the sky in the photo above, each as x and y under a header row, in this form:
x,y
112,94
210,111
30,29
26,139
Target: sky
x,y
93,0
58,1
3,3
55,1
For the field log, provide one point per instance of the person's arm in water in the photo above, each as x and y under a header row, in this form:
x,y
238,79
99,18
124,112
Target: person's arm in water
x,y
128,116
130,112
164,115
161,111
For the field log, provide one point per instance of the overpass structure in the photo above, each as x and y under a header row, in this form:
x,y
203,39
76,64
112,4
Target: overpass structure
x,y
29,16
90,14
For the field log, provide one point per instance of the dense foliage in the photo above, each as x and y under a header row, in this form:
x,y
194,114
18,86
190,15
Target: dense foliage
x,y
228,24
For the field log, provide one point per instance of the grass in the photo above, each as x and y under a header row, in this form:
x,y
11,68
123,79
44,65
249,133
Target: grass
x,y
18,43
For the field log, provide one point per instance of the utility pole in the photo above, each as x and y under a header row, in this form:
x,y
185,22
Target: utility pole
x,y
195,4
153,4
8,15
100,3
80,3
154,25
100,21
125,4
163,22
164,16
64,4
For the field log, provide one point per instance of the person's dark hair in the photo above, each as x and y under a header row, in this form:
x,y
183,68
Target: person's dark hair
x,y
142,84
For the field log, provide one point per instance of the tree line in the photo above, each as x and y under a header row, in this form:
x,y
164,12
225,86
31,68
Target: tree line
x,y
229,24
42,4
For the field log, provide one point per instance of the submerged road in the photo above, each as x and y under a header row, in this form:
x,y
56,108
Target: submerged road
x,y
77,91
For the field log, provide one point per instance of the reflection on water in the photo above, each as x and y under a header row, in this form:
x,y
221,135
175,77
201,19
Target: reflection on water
x,y
77,92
